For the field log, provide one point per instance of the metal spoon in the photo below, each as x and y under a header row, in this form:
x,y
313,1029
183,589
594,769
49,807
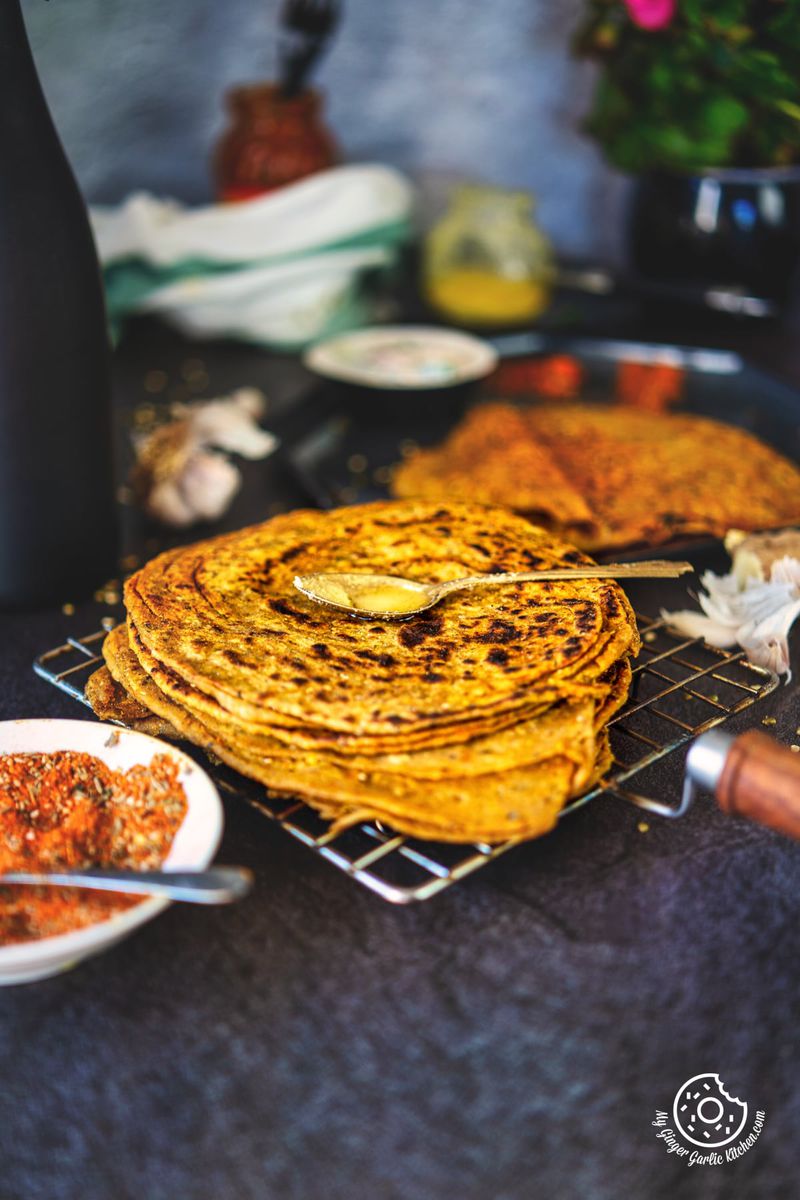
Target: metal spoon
x,y
217,885
394,598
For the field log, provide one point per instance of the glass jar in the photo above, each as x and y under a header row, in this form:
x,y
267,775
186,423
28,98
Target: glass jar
x,y
485,262
272,140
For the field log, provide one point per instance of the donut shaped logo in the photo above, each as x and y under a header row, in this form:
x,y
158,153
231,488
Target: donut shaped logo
x,y
705,1114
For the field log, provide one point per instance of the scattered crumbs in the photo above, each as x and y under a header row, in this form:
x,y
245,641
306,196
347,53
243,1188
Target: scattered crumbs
x,y
194,372
179,394
382,474
650,636
769,720
112,739
795,749
155,381
357,464
129,562
111,596
714,698
643,827
408,447
214,758
144,414
68,609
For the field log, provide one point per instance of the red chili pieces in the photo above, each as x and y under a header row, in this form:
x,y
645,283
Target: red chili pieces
x,y
70,810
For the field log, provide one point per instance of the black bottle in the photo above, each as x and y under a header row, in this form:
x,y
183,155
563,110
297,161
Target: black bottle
x,y
58,522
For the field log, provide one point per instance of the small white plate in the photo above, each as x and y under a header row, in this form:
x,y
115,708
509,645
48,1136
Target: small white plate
x,y
403,357
193,847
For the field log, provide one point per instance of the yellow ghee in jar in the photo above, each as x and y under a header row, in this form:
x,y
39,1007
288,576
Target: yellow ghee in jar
x,y
476,296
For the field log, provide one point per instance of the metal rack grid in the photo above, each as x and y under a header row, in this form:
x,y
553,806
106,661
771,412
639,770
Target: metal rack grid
x,y
682,687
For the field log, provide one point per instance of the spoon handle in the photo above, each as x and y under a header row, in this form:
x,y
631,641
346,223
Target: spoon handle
x,y
217,885
654,569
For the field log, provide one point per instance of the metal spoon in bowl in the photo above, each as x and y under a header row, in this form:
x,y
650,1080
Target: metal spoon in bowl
x,y
216,885
394,598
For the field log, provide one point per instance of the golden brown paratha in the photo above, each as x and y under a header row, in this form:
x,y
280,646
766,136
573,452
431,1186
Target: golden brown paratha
x,y
643,477
110,701
490,805
560,728
489,456
225,617
475,722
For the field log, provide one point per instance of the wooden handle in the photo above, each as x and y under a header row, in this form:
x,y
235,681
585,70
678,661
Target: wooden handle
x,y
761,781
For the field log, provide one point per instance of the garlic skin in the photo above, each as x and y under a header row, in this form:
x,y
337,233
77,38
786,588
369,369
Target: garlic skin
x,y
754,613
230,424
179,479
753,554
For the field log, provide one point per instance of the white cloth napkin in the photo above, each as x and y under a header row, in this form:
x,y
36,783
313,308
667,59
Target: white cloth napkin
x,y
283,269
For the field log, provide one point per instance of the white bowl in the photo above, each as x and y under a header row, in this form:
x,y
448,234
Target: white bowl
x,y
403,357
193,847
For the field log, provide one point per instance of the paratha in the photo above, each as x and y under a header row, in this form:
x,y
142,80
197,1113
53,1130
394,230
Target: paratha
x,y
520,802
225,617
557,727
475,722
642,476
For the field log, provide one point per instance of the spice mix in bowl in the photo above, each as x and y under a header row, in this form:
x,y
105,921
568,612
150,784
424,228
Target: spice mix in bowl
x,y
75,794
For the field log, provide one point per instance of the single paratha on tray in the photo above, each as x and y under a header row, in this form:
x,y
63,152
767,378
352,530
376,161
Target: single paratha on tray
x,y
642,476
476,721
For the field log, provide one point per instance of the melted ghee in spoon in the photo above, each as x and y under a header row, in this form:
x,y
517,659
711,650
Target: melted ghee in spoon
x,y
385,598
374,595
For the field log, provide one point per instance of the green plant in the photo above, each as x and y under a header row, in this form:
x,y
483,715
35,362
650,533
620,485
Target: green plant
x,y
708,83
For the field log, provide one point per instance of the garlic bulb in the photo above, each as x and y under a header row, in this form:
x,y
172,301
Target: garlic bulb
x,y
753,611
178,478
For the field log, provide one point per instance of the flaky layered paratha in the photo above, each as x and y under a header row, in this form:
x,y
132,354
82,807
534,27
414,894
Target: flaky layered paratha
x,y
520,800
641,476
557,728
477,721
487,457
225,617
111,701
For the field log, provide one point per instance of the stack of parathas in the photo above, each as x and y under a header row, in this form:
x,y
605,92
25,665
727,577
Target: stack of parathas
x,y
608,477
476,721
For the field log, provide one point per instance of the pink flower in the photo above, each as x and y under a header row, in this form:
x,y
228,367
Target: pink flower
x,y
651,14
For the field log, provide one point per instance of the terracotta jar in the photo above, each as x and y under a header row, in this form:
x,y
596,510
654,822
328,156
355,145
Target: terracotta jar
x,y
272,140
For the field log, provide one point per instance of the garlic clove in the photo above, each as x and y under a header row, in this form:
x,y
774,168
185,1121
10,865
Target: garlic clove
x,y
208,484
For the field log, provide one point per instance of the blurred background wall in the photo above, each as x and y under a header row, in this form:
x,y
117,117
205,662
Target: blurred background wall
x,y
440,88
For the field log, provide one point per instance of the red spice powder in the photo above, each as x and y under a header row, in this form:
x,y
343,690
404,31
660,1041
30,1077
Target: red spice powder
x,y
70,810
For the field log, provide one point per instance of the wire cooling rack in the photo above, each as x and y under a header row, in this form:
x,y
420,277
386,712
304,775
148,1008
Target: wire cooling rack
x,y
682,687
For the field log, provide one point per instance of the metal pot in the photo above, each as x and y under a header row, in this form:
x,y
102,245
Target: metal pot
x,y
738,229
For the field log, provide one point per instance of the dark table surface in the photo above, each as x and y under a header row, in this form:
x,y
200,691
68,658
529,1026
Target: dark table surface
x,y
509,1039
